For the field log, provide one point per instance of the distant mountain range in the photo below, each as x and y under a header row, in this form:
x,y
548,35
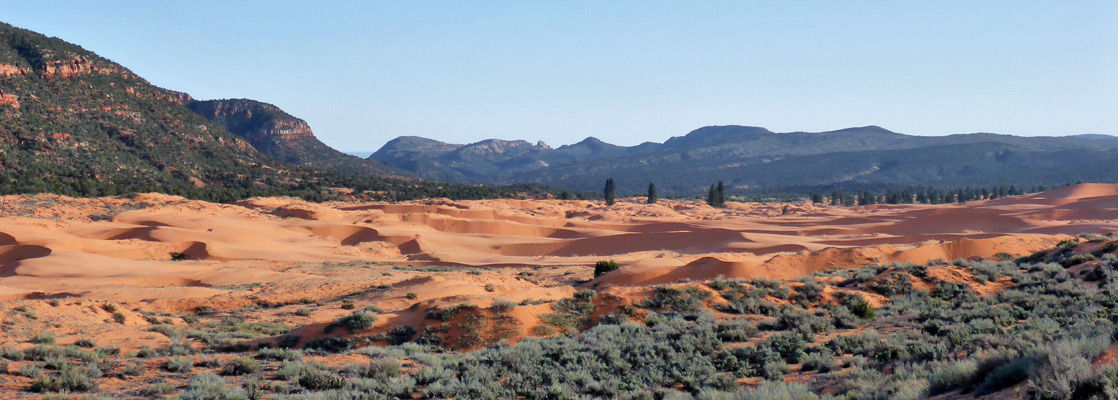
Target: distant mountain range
x,y
756,160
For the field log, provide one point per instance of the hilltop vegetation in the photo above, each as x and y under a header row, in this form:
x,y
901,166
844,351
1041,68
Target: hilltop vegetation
x,y
754,160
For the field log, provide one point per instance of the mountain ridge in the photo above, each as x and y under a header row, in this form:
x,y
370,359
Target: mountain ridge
x,y
746,156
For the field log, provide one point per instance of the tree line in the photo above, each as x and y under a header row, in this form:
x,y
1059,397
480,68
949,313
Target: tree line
x,y
716,196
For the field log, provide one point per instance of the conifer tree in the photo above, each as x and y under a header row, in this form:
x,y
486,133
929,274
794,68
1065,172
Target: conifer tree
x,y
652,193
712,197
609,192
721,195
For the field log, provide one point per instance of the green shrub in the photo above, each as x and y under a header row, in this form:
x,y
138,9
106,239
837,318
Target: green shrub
x,y
819,361
400,334
448,313
1057,371
180,364
70,379
317,379
43,338
862,309
240,366
605,266
354,322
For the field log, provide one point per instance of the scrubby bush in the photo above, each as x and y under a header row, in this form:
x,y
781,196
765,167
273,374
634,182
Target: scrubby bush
x,y
359,320
605,266
43,338
240,366
70,379
401,334
691,298
181,364
319,379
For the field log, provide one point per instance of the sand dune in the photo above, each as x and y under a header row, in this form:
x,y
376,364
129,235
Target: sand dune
x,y
283,250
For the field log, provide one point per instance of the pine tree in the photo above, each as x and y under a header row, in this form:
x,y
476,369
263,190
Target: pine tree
x,y
721,195
712,197
816,198
652,193
609,192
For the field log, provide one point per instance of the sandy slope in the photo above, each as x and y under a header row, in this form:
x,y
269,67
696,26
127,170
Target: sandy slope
x,y
280,250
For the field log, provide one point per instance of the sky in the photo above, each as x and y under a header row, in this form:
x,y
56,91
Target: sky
x,y
364,72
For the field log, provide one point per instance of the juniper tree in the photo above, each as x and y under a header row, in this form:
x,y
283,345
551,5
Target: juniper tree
x,y
721,195
652,193
609,192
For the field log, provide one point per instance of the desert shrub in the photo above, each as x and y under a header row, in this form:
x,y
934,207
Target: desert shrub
x,y
605,266
822,361
448,313
240,366
209,386
382,368
1005,375
1057,371
177,256
745,300
43,338
809,293
70,379
736,330
501,306
30,371
354,322
412,295
691,298
895,283
332,344
319,379
573,312
157,390
85,342
181,364
203,310
303,312
135,368
863,309
279,354
790,346
401,334
11,353
773,287
778,390
950,375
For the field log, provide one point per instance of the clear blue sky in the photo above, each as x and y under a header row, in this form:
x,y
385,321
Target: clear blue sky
x,y
626,72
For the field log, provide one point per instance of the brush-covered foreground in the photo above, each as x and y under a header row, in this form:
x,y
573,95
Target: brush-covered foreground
x,y
1040,326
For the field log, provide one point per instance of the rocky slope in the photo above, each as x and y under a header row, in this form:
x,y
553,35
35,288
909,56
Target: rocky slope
x,y
75,123
752,159
71,120
282,136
